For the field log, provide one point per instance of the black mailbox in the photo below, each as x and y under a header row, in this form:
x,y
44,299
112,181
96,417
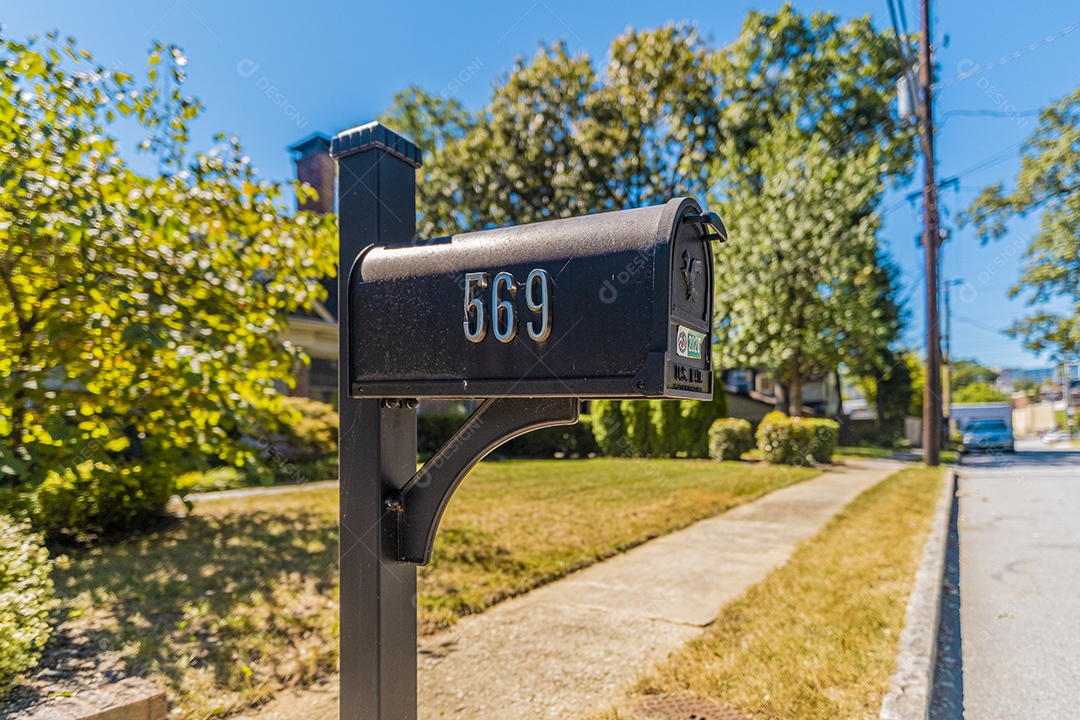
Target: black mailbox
x,y
616,304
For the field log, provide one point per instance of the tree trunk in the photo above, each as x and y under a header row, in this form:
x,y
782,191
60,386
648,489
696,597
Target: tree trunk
x,y
795,397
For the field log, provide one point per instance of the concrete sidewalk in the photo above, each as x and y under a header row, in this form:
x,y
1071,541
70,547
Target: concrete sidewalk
x,y
572,647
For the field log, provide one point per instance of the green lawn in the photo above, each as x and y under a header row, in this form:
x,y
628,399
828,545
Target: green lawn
x,y
240,598
816,638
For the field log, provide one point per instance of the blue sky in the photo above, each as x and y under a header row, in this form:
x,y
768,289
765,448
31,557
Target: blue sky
x,y
274,72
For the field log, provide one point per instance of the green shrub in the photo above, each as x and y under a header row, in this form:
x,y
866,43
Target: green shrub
x,y
434,429
560,441
697,419
729,438
309,429
797,441
221,478
825,439
670,434
92,498
609,427
641,434
783,440
26,597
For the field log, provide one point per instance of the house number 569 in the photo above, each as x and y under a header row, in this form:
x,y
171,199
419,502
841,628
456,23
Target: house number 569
x,y
503,315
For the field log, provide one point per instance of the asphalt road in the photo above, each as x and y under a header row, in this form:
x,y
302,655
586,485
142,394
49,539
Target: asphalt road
x,y
1019,530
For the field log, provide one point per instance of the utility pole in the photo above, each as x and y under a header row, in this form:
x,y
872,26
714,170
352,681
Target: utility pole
x,y
946,360
931,242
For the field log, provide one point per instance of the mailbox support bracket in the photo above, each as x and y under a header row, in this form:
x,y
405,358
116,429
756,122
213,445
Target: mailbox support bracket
x,y
419,505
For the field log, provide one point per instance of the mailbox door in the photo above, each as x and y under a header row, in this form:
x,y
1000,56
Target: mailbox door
x,y
689,366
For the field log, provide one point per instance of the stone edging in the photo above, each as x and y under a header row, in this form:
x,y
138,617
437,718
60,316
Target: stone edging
x,y
911,684
132,698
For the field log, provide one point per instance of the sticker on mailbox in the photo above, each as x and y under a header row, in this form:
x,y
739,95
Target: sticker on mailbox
x,y
688,343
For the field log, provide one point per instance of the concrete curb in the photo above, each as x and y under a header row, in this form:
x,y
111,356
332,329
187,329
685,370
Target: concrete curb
x,y
912,682
132,698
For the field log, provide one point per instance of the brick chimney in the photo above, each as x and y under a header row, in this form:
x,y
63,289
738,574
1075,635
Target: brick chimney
x,y
315,167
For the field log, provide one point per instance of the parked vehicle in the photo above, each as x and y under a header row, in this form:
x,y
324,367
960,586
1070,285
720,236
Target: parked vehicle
x,y
987,434
1055,436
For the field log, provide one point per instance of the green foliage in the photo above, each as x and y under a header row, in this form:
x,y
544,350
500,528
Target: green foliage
x,y
1048,182
609,427
656,428
890,387
803,287
140,317
796,441
802,293
979,392
559,138
917,371
670,433
309,428
221,478
969,372
826,438
26,597
93,498
641,434
812,72
561,441
697,418
730,438
434,429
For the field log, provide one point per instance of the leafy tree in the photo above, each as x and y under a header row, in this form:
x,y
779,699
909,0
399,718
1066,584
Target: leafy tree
x,y
890,389
558,138
803,285
1049,181
140,317
917,370
834,79
797,289
969,372
979,392
1029,386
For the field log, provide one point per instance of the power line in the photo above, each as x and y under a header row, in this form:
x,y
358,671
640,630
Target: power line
x,y
979,69
990,113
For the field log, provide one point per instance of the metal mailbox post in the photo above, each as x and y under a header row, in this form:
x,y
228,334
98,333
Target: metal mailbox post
x,y
529,319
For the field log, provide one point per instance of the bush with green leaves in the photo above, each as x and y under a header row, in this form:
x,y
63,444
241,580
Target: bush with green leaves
x,y
825,439
609,427
95,498
784,440
308,429
730,438
163,296
26,597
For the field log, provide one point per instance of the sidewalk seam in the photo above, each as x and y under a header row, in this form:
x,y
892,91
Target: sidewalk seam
x,y
912,682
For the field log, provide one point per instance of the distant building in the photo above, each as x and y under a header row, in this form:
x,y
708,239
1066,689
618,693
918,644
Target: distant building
x,y
316,331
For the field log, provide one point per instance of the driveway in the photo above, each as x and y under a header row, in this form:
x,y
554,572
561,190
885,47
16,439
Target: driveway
x,y
1019,530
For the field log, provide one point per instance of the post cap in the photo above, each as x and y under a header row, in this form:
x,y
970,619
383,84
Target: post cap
x,y
374,135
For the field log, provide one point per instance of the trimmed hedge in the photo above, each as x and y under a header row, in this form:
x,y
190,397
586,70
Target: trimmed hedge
x,y
656,428
729,438
26,597
434,429
797,441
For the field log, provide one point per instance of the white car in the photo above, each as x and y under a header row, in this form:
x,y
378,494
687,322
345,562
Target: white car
x,y
1055,436
987,434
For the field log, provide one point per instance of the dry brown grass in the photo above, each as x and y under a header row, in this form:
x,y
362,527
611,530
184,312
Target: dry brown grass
x,y
817,638
240,599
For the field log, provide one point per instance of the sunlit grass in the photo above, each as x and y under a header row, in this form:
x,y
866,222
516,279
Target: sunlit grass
x,y
240,599
817,638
